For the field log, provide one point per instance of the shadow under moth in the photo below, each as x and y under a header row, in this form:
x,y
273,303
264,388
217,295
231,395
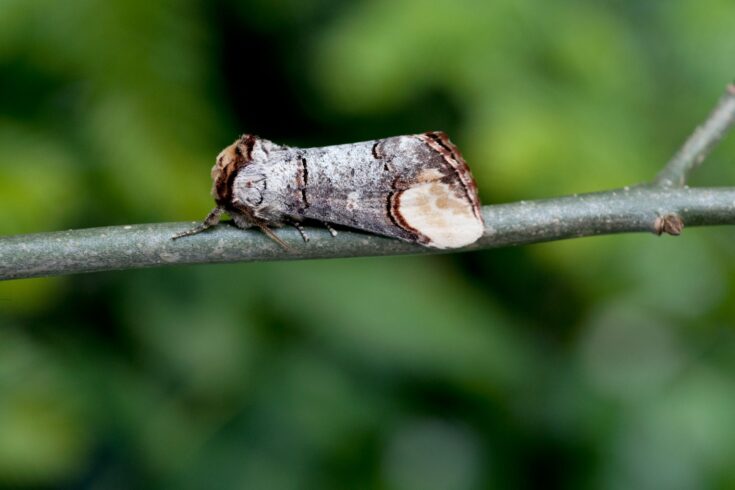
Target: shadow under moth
x,y
416,188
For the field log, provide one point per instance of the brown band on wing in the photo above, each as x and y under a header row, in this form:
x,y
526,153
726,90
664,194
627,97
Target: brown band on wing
x,y
228,169
377,154
304,182
439,142
248,140
393,204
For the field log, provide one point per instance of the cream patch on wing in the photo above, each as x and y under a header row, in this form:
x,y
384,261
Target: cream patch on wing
x,y
429,175
434,210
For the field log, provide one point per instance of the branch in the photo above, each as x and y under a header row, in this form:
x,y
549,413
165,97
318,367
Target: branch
x,y
124,247
662,208
700,143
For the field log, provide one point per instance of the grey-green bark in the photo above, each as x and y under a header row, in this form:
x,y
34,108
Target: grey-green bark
x,y
662,207
125,247
700,143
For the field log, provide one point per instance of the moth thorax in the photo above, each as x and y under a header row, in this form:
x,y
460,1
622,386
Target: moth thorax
x,y
225,169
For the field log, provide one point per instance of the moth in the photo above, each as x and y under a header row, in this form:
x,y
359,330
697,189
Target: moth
x,y
416,188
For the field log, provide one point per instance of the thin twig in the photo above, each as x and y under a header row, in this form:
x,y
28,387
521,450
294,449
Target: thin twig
x,y
700,143
662,208
124,247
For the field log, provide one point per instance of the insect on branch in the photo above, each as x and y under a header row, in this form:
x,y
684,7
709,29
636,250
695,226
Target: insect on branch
x,y
663,207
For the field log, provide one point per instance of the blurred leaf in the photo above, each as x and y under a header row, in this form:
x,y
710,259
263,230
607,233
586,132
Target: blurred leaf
x,y
392,314
626,353
38,181
433,454
43,439
584,361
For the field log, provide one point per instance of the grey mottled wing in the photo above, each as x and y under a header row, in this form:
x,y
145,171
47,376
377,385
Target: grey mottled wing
x,y
417,188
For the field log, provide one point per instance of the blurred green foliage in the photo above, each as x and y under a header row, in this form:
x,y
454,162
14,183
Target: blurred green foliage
x,y
604,362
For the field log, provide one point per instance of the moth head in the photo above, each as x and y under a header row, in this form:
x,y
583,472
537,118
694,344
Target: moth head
x,y
229,161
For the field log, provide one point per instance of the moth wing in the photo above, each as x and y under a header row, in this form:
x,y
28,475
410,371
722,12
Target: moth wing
x,y
369,213
441,205
437,215
429,196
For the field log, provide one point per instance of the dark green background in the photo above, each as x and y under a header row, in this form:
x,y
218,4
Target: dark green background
x,y
592,363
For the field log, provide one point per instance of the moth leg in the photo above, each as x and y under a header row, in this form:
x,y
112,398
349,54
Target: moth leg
x,y
331,230
262,224
299,227
211,220
269,233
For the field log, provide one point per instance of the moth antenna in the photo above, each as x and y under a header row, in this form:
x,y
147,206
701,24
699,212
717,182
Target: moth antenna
x,y
211,220
264,228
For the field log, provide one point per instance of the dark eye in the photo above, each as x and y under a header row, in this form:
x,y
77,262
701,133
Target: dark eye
x,y
253,197
250,185
252,190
